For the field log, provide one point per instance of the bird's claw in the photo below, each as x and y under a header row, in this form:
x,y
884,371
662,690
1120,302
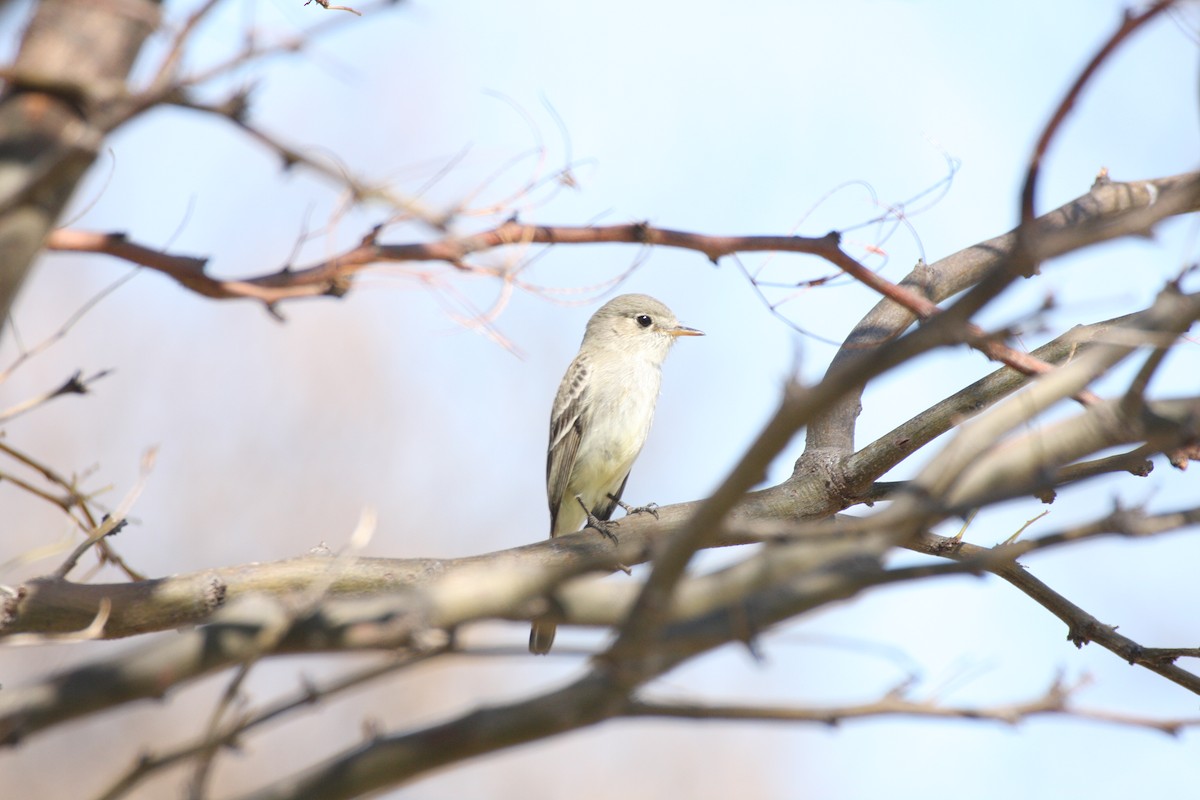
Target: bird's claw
x,y
602,525
605,526
649,508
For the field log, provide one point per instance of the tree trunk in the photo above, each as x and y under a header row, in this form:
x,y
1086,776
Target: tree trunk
x,y
75,57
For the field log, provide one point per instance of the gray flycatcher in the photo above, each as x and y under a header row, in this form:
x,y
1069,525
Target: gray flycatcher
x,y
601,416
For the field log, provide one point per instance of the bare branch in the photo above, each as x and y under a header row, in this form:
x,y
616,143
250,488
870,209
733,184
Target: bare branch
x,y
46,143
150,763
1129,25
1094,217
1108,210
76,384
898,444
1055,702
1082,627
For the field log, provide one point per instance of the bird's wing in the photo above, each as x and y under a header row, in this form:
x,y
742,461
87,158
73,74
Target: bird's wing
x,y
566,429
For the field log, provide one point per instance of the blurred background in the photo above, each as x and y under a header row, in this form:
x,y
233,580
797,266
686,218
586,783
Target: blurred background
x,y
757,117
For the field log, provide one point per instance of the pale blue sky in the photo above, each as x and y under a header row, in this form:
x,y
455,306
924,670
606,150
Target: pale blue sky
x,y
706,116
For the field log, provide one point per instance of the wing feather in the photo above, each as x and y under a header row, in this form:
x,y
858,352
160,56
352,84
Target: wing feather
x,y
567,424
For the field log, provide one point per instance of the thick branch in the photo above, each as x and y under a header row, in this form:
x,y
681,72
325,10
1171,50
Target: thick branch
x,y
48,140
706,611
1107,211
901,442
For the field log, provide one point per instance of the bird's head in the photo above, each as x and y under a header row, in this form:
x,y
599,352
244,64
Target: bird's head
x,y
637,323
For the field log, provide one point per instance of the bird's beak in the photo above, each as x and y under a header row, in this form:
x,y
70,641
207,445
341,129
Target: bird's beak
x,y
684,330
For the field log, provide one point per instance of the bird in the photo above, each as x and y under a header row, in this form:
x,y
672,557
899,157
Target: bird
x,y
601,417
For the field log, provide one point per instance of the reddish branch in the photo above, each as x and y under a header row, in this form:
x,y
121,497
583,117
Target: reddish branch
x,y
332,277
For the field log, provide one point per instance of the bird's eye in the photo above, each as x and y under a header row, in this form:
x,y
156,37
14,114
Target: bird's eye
x,y
644,320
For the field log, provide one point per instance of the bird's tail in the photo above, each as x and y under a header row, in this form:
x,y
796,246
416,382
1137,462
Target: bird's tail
x,y
541,637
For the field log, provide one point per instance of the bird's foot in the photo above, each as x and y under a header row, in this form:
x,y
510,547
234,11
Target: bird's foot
x,y
603,525
649,508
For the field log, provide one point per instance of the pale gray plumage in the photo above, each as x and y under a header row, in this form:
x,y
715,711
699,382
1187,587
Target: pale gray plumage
x,y
602,414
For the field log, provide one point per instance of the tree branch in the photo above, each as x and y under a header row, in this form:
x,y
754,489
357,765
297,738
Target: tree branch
x,y
47,142
1107,211
1082,627
1097,217
1055,702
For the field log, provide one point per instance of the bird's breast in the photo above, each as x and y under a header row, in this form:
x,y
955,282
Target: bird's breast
x,y
619,418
